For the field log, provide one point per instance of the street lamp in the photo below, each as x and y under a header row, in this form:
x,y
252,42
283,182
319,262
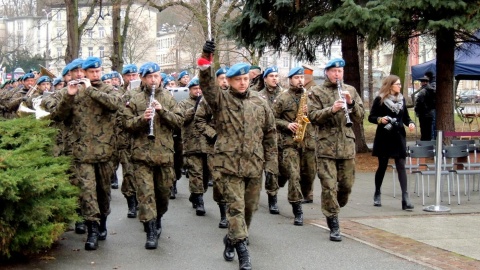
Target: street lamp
x,y
47,50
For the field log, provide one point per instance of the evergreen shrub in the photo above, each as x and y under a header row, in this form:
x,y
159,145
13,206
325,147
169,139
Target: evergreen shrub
x,y
37,201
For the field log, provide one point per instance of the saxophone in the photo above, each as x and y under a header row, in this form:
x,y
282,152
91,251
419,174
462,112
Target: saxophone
x,y
302,119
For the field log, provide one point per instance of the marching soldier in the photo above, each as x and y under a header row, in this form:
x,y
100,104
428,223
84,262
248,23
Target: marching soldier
x,y
205,124
129,74
14,101
169,82
270,93
107,78
43,85
296,161
58,83
246,146
335,141
195,159
256,78
152,158
183,79
90,106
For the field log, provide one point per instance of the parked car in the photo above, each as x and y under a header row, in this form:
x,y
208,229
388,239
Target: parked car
x,y
470,96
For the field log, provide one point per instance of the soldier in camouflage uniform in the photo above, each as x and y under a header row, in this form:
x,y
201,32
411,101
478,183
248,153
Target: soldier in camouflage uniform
x,y
183,79
91,110
129,187
335,141
43,85
205,124
256,78
13,102
246,145
195,159
293,154
152,158
270,93
308,164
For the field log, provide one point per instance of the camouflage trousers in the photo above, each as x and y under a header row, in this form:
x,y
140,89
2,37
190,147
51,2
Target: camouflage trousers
x,y
242,196
94,182
198,172
271,187
178,156
153,189
337,177
308,170
218,181
289,167
129,187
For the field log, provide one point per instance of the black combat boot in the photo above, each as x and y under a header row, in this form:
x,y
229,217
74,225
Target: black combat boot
x,y
200,210
406,204
223,216
92,236
297,211
136,202
80,227
102,229
377,199
193,200
173,190
244,261
152,237
132,208
334,227
229,252
272,205
114,181
159,226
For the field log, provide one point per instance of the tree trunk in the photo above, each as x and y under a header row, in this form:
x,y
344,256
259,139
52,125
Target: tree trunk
x,y
399,61
117,53
370,77
352,77
73,39
445,40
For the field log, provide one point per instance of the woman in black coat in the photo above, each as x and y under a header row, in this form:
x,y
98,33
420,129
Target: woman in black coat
x,y
390,113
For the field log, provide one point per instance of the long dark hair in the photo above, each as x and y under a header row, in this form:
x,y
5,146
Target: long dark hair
x,y
386,86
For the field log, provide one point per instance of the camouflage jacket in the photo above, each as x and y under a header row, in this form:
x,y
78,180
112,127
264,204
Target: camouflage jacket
x,y
309,85
285,110
246,135
333,138
15,99
193,141
160,150
270,96
91,113
205,125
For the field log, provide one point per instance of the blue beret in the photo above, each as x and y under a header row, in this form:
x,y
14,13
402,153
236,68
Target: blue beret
x,y
296,71
44,79
57,81
92,62
193,82
77,63
167,80
238,69
115,74
148,68
269,70
221,71
183,73
28,76
163,75
65,70
130,68
107,76
335,62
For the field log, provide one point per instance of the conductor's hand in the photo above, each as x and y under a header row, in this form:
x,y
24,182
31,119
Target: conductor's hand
x,y
293,127
209,46
148,114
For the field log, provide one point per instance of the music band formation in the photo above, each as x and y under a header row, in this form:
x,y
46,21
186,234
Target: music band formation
x,y
236,128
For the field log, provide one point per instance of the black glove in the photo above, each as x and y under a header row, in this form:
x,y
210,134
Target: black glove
x,y
209,46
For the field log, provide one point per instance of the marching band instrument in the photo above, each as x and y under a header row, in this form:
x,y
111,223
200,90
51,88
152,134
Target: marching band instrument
x,y
344,107
302,119
151,134
23,109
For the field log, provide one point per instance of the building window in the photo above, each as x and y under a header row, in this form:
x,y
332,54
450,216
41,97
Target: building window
x,y
90,33
59,52
90,51
59,32
101,32
102,51
285,61
264,62
20,26
59,15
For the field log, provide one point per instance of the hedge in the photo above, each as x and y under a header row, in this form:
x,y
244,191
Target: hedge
x,y
37,201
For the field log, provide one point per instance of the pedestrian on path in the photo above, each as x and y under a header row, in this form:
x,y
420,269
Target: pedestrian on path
x,y
389,112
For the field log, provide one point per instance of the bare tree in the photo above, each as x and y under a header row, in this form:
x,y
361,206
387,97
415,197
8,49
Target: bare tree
x,y
136,44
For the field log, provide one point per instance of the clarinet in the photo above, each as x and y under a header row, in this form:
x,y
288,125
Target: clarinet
x,y
344,107
151,134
